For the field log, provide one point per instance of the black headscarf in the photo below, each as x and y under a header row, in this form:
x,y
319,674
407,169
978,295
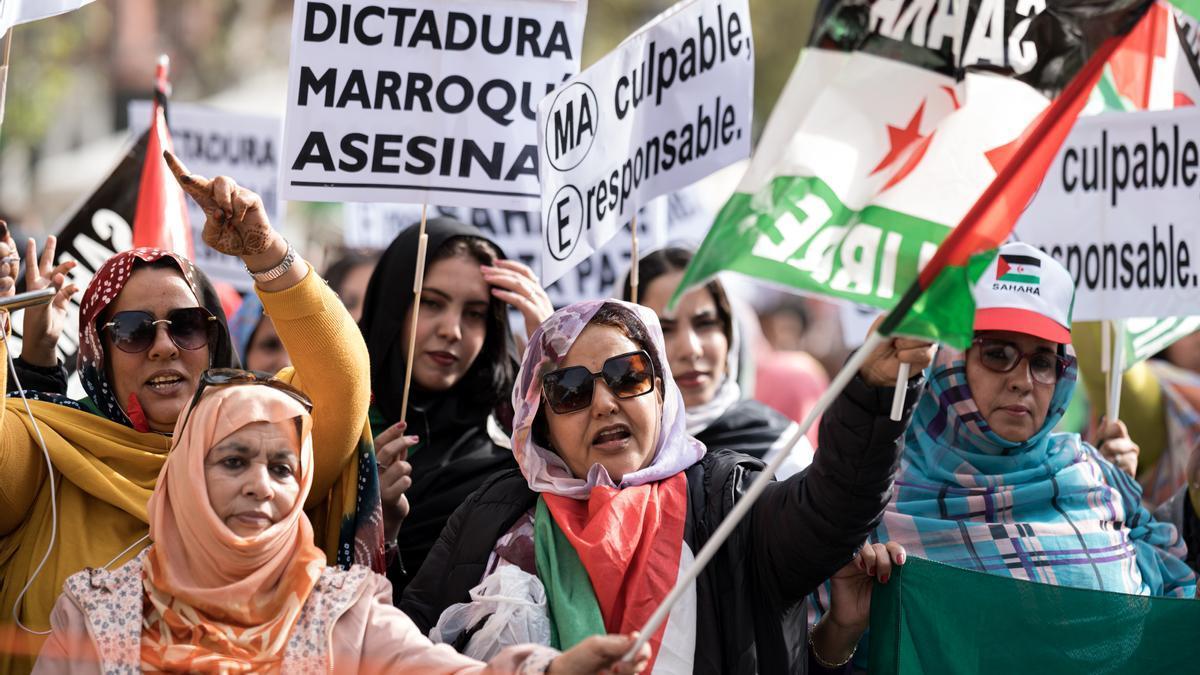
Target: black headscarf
x,y
486,385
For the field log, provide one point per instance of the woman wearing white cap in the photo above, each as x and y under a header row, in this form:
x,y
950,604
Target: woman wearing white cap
x,y
985,483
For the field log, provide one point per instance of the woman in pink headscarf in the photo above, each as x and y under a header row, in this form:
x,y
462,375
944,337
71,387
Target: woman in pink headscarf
x,y
233,581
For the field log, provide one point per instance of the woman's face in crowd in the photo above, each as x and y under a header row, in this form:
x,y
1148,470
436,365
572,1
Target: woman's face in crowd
x,y
452,323
697,349
618,434
251,476
266,352
1014,405
1186,353
163,377
354,289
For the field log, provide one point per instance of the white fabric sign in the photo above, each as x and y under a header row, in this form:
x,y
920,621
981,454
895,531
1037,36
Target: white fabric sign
x,y
213,142
1118,208
670,105
678,218
14,12
430,101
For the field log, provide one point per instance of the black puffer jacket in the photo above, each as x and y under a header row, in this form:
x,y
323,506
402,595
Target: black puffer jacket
x,y
749,598
748,427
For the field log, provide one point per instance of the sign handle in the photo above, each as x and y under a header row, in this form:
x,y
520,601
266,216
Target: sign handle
x,y
5,49
765,477
1117,371
633,269
901,387
418,281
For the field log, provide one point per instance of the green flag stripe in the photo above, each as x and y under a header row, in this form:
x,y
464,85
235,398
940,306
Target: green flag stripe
x,y
1021,278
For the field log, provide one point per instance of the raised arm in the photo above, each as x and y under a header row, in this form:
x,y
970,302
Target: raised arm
x,y
327,350
809,526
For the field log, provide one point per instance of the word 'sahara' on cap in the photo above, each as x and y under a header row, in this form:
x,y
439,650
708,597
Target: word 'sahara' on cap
x,y
1026,291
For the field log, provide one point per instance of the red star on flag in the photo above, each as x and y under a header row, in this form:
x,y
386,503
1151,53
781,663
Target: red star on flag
x,y
902,138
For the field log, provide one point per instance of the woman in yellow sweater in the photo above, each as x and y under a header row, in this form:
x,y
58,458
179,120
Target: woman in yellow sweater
x,y
146,337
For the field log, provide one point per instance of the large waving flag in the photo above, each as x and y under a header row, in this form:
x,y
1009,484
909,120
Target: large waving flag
x,y
902,123
161,220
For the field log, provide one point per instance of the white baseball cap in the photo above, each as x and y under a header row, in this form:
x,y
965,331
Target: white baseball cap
x,y
1026,291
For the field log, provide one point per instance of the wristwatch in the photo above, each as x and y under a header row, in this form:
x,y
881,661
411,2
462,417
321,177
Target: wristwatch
x,y
278,270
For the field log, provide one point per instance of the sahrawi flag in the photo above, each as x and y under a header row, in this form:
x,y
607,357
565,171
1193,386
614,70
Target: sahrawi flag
x,y
161,220
904,120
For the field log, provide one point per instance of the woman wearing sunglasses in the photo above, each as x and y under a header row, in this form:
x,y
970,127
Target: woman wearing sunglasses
x,y
614,497
149,326
233,581
705,353
985,481
462,377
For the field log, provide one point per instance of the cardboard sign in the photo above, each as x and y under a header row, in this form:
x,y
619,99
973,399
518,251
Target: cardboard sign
x,y
678,218
431,101
1119,209
670,105
211,143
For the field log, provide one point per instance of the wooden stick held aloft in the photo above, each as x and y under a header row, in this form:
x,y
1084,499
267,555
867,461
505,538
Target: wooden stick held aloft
x,y
418,282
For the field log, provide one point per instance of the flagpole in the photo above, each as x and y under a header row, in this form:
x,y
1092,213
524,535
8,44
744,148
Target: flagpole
x,y
742,507
633,270
418,282
5,50
1116,371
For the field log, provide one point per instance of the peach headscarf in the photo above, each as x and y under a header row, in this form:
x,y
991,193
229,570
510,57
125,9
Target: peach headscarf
x,y
216,600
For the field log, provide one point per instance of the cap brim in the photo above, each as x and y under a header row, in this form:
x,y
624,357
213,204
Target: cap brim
x,y
1022,321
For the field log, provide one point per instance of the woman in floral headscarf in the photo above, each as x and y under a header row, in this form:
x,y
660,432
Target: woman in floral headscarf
x,y
233,582
614,497
148,330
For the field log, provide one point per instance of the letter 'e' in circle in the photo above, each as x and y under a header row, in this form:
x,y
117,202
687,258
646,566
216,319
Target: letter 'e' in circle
x,y
564,222
571,126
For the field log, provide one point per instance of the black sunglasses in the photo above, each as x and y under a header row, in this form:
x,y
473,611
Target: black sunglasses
x,y
627,376
189,328
1002,357
223,377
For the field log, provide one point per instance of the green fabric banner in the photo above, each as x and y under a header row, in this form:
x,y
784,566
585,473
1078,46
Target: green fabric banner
x,y
934,618
574,611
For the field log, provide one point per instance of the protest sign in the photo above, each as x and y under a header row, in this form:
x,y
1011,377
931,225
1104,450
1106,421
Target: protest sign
x,y
670,105
14,12
677,218
212,142
433,101
1118,208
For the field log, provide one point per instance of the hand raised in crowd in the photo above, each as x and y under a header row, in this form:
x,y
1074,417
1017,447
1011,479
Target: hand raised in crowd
x,y
10,262
883,365
517,285
601,654
1115,445
395,476
836,635
44,323
236,222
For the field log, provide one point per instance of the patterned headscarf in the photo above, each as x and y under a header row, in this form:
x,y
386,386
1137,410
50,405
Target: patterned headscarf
x,y
1048,509
104,288
548,346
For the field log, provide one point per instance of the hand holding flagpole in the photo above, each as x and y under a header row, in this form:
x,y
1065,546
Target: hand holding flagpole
x,y
418,282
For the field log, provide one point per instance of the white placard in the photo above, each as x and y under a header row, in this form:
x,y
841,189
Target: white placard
x,y
423,101
678,218
214,142
670,105
1120,208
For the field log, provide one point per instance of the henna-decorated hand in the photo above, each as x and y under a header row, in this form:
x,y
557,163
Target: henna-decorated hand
x,y
236,222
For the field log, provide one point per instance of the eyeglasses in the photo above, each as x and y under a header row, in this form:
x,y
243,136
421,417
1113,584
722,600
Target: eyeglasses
x,y
223,377
189,328
570,389
1002,357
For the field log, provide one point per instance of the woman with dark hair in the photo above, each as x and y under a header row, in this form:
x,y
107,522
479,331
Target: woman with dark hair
x,y
614,498
462,376
149,327
348,277
702,340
